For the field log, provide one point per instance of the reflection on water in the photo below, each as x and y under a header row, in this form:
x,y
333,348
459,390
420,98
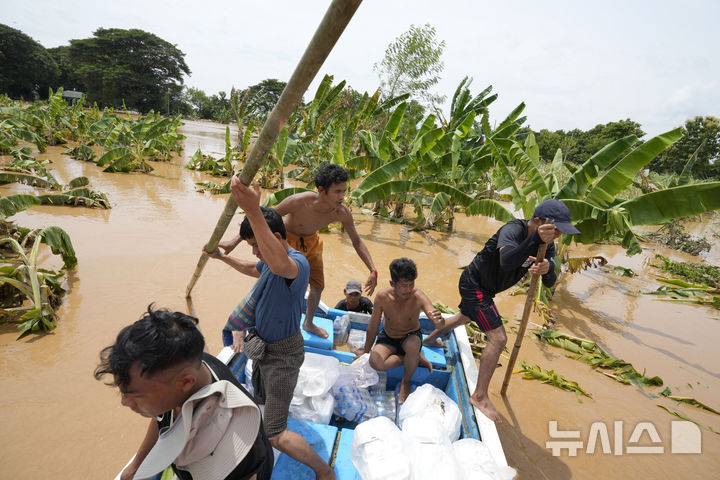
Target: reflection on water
x,y
145,250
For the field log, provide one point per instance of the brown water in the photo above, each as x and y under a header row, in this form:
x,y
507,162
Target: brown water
x,y
55,419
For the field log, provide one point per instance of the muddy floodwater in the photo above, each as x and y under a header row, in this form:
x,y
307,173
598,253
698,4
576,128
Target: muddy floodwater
x,y
57,421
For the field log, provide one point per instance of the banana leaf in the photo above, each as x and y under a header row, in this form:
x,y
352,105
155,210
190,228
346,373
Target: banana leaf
x,y
689,400
551,377
384,190
79,182
385,147
60,244
684,417
686,174
12,204
437,206
671,203
489,208
620,175
584,176
26,179
379,176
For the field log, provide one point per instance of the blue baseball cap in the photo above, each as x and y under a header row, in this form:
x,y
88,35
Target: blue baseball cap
x,y
559,213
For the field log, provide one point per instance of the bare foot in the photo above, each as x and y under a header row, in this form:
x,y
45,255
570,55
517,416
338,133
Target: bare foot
x,y
315,330
485,406
424,362
435,342
403,393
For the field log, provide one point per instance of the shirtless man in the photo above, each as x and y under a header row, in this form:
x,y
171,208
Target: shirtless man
x,y
307,212
400,339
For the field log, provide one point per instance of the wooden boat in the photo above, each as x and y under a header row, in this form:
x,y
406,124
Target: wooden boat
x,y
454,372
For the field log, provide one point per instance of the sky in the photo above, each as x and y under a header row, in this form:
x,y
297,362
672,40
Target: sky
x,y
575,64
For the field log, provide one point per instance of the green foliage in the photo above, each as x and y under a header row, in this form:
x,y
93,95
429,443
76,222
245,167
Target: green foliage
x,y
594,355
214,188
130,67
673,235
684,417
37,291
701,273
700,142
412,64
551,377
131,143
265,95
277,197
689,400
578,146
28,70
82,152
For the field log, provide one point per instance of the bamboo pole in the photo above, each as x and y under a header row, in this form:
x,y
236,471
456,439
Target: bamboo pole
x,y
526,316
331,27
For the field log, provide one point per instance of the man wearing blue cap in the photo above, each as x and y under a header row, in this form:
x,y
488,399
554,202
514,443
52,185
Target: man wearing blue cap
x,y
505,259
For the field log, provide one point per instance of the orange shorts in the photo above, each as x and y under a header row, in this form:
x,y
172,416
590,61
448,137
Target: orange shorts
x,y
310,246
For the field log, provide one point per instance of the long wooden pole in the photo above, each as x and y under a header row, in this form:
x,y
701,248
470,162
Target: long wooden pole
x,y
525,318
331,27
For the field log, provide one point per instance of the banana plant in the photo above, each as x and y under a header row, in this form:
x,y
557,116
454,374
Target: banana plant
x,y
243,110
130,143
441,170
39,289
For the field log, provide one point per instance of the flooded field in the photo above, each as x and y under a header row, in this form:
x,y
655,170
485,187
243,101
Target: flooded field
x,y
56,419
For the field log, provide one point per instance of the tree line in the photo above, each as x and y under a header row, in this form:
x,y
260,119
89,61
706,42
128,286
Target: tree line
x,y
137,70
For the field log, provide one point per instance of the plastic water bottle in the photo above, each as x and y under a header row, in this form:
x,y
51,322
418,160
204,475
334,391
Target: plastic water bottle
x,y
389,405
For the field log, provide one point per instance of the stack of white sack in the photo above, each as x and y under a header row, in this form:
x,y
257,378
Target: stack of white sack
x,y
430,422
312,398
378,451
475,461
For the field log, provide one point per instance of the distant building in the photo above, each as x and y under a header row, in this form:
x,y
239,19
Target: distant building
x,y
72,96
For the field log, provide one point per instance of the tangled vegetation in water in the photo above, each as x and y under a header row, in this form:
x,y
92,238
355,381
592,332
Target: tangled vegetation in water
x,y
673,235
702,273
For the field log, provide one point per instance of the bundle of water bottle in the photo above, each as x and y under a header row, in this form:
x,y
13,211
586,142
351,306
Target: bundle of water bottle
x,y
357,403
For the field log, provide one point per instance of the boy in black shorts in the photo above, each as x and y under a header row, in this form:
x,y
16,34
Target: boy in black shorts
x,y
506,258
400,339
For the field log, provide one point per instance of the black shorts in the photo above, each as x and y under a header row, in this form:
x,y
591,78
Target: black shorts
x,y
477,304
396,343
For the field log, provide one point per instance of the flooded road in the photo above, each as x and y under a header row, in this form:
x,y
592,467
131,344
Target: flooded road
x,y
56,419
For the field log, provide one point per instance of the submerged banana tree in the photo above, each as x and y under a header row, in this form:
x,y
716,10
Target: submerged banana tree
x,y
37,291
441,170
131,143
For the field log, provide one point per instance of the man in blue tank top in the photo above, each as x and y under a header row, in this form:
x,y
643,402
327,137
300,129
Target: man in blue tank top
x,y
276,345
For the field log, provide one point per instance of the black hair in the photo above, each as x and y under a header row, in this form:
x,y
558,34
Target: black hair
x,y
329,174
159,340
403,269
273,219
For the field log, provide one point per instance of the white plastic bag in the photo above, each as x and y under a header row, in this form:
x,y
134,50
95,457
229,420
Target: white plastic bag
x,y
317,374
432,461
359,373
377,451
431,402
475,461
316,409
248,377
356,339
